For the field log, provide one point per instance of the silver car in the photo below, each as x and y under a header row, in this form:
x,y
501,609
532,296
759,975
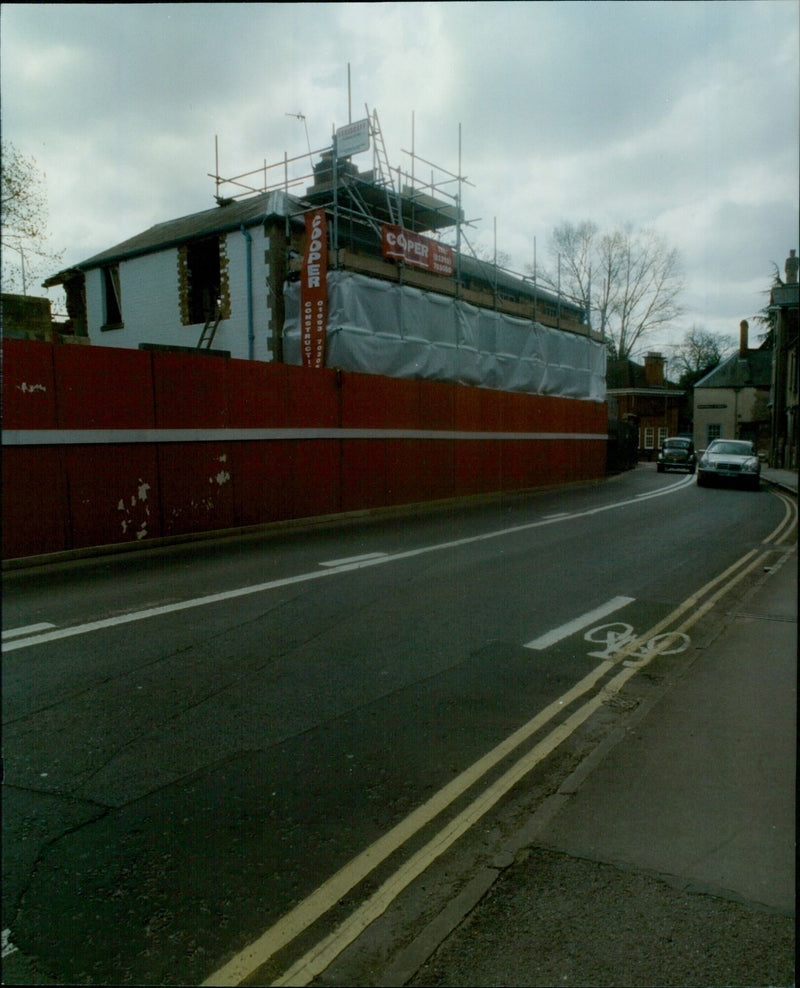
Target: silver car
x,y
731,460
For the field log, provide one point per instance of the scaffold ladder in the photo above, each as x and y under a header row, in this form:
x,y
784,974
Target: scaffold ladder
x,y
210,329
381,168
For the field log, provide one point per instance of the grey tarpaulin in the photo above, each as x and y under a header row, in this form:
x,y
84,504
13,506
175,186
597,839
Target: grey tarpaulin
x,y
380,327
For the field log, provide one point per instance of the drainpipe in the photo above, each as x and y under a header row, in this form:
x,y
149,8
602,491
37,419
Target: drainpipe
x,y
250,334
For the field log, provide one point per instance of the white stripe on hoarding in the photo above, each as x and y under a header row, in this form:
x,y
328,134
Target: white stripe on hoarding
x,y
81,437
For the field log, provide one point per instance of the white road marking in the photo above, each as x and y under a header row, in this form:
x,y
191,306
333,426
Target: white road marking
x,y
81,629
29,629
354,559
683,482
578,624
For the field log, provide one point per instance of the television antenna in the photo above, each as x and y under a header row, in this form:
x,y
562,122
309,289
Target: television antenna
x,y
302,116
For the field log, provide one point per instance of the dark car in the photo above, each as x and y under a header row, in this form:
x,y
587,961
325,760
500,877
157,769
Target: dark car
x,y
732,460
676,453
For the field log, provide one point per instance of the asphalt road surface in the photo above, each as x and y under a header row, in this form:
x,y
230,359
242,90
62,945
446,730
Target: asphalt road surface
x,y
226,760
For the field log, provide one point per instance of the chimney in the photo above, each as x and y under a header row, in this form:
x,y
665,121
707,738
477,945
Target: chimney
x,y
790,268
744,326
654,370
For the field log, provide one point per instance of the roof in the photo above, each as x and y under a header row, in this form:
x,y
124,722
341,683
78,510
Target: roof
x,y
484,271
754,370
251,211
626,375
229,216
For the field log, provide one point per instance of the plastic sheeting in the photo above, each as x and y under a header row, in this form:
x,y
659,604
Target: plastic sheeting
x,y
381,327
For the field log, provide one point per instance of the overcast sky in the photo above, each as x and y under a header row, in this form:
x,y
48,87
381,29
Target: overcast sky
x,y
677,117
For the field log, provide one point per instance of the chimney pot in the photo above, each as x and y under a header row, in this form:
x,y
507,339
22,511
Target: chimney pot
x,y
654,369
744,326
790,268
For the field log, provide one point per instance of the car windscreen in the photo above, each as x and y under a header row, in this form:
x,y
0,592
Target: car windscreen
x,y
731,449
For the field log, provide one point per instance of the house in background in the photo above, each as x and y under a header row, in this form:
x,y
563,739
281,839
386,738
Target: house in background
x,y
783,304
642,396
733,400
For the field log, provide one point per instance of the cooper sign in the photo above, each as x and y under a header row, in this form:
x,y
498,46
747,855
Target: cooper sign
x,y
314,290
419,252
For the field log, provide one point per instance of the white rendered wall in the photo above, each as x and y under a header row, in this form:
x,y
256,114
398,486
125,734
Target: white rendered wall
x,y
233,333
151,313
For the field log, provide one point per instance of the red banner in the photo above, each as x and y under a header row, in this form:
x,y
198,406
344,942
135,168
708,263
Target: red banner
x,y
416,250
314,291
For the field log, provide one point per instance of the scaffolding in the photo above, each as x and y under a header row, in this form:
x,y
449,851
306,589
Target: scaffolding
x,y
373,198
360,201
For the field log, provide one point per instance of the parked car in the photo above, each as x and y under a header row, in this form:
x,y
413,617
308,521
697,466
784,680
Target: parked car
x,y
733,460
676,453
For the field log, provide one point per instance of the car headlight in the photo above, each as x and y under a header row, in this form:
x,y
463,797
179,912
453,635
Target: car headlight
x,y
750,466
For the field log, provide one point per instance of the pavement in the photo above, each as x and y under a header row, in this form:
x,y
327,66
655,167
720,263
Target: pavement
x,y
785,479
669,858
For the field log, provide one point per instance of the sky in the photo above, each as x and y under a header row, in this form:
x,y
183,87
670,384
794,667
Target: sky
x,y
678,117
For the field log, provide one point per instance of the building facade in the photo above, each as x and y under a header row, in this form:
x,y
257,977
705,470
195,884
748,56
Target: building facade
x,y
161,288
733,400
785,373
642,396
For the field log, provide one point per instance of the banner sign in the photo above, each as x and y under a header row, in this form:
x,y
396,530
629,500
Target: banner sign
x,y
416,250
314,290
352,138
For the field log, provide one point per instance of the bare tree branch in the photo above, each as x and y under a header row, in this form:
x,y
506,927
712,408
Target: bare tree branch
x,y
699,353
633,278
23,214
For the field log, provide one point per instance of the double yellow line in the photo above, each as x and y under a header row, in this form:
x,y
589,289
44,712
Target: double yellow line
x,y
299,919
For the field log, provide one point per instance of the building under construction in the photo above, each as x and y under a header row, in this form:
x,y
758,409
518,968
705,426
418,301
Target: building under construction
x,y
398,300
301,349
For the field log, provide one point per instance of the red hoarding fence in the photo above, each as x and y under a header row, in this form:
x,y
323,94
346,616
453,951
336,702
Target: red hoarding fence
x,y
167,451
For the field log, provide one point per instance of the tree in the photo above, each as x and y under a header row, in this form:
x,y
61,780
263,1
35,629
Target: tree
x,y
23,213
631,280
699,354
767,316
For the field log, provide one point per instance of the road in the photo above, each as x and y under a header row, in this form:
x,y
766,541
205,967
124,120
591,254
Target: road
x,y
225,759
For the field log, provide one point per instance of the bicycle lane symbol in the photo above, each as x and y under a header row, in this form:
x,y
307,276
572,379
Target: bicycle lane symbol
x,y
618,636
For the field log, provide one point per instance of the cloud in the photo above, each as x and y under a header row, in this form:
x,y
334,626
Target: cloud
x,y
680,117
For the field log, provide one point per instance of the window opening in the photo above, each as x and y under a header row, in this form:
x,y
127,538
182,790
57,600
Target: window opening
x,y
203,276
648,437
713,431
112,298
